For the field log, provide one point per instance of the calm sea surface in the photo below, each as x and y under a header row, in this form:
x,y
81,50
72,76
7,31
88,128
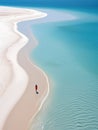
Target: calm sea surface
x,y
68,53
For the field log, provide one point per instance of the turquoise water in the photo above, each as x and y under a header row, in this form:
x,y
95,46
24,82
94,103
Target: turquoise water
x,y
68,53
51,3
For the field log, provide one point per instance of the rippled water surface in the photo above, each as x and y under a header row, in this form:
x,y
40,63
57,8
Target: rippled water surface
x,y
68,53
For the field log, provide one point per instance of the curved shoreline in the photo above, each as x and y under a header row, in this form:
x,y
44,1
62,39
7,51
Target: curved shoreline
x,y
25,96
40,70
23,55
10,118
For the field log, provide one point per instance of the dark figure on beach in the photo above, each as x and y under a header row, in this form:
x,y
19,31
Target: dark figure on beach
x,y
36,89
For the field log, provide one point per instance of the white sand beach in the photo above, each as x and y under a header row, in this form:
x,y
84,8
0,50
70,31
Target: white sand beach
x,y
18,101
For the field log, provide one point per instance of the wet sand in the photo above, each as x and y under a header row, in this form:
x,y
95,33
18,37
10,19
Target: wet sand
x,y
19,102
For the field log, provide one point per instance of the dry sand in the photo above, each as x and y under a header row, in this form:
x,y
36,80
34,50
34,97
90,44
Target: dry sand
x,y
18,101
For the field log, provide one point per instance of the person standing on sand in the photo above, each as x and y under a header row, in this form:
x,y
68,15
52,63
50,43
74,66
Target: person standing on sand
x,y
36,88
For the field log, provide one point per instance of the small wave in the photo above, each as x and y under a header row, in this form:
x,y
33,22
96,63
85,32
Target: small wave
x,y
80,114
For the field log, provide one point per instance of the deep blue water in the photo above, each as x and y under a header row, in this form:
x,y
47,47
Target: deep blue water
x,y
68,53
51,3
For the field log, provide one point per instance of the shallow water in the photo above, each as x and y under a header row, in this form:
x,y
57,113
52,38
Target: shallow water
x,y
68,53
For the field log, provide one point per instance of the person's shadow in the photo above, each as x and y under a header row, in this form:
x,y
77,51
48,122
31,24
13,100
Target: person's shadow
x,y
37,92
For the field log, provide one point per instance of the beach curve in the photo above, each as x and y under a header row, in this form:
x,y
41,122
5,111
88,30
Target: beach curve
x,y
10,17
